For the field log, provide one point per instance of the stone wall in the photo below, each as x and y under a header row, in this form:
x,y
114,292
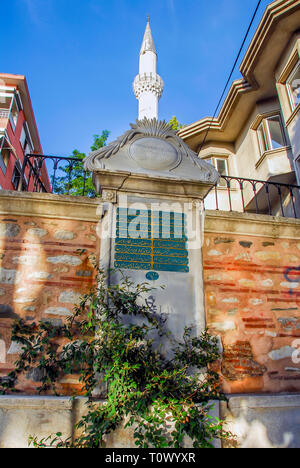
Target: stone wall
x,y
252,295
251,272
257,421
42,275
252,275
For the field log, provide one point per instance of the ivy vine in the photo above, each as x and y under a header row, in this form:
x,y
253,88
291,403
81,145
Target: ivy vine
x,y
114,338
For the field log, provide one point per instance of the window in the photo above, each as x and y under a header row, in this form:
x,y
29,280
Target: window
x,y
270,134
5,150
297,164
222,167
5,154
14,113
27,148
25,140
5,105
16,178
293,86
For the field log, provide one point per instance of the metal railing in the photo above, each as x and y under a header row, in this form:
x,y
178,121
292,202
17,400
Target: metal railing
x,y
230,194
255,196
61,174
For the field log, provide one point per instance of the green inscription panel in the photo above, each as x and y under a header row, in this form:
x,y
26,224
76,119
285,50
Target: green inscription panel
x,y
149,240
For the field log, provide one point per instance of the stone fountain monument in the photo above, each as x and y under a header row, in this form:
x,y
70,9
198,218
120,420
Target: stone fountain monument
x,y
152,186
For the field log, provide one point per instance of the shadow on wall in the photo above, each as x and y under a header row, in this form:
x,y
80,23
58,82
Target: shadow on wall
x,y
264,421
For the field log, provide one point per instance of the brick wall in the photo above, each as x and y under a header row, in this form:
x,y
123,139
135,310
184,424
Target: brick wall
x,y
251,280
252,298
42,274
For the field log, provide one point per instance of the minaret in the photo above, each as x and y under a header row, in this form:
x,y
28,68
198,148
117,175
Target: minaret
x,y
148,85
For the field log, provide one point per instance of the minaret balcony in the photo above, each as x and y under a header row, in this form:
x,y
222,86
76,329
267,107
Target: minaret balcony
x,y
148,82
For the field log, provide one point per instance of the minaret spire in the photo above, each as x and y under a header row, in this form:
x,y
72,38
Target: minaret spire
x,y
148,85
148,43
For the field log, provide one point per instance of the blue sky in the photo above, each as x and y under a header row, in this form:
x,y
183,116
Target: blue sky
x,y
81,56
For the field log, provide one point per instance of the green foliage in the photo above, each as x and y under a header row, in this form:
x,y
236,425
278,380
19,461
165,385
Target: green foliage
x,y
74,180
175,124
112,338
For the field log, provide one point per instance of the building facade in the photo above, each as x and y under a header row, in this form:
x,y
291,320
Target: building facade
x,y
257,132
18,135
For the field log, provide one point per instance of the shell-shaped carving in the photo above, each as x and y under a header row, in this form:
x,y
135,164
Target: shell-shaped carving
x,y
148,128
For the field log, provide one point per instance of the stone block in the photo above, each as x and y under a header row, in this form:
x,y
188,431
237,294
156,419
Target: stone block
x,y
21,417
246,245
223,240
24,300
9,230
7,312
40,275
65,260
91,237
267,283
7,276
54,322
227,325
64,235
84,273
290,285
281,353
70,297
214,253
263,421
256,302
230,300
35,375
27,260
266,256
58,311
37,232
29,309
15,348
256,421
246,283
